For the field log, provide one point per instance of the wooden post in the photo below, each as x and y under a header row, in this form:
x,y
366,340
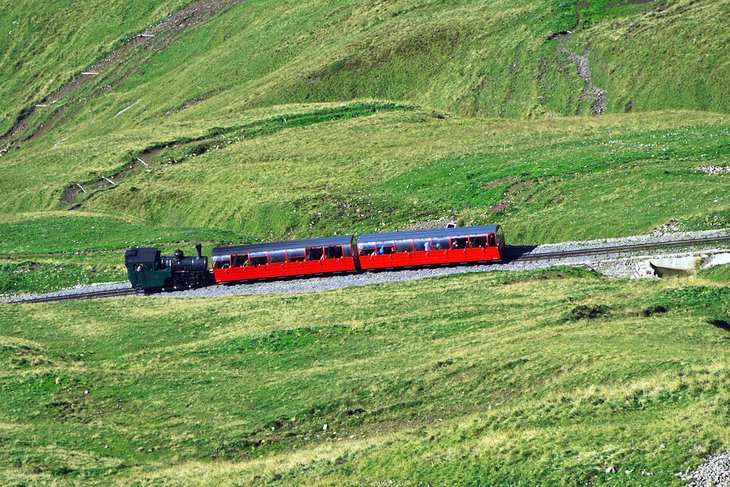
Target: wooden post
x,y
82,188
140,160
113,183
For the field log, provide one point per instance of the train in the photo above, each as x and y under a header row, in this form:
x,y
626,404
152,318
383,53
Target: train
x,y
149,271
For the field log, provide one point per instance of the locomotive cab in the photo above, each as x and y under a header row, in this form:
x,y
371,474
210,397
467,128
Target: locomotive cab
x,y
148,270
144,268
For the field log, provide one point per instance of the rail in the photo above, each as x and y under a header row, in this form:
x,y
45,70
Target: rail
x,y
77,296
617,249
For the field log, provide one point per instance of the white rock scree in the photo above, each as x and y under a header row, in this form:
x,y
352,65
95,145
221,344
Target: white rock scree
x,y
714,472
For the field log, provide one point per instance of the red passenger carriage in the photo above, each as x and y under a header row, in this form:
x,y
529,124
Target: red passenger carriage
x,y
431,247
283,259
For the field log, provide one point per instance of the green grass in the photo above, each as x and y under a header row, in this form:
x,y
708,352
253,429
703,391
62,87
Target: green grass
x,y
412,166
599,10
465,379
487,58
73,232
719,274
301,124
19,276
390,168
354,168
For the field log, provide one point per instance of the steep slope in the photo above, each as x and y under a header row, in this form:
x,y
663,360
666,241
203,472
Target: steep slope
x,y
497,58
45,46
275,118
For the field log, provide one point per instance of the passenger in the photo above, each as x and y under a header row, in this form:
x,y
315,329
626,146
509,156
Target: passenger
x,y
427,245
139,268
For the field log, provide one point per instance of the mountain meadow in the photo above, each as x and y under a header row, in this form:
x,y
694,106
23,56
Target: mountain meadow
x,y
169,122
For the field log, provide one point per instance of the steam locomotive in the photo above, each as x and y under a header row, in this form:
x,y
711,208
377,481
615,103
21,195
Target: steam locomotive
x,y
150,271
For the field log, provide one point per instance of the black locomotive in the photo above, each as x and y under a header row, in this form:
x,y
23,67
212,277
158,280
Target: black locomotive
x,y
149,270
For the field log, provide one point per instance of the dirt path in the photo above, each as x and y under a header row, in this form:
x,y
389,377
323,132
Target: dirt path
x,y
151,41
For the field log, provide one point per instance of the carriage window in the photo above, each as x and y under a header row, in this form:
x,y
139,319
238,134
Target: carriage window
x,y
480,241
296,255
314,253
459,243
220,262
423,244
404,246
240,260
492,240
334,252
366,248
441,244
385,248
258,258
277,256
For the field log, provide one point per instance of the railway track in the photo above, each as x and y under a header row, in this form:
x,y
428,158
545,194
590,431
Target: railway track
x,y
617,249
113,293
515,254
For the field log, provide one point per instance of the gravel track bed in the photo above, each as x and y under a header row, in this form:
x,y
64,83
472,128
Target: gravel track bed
x,y
619,265
616,266
318,284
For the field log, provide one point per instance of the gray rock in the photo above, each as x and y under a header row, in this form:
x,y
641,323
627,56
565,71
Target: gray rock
x,y
714,472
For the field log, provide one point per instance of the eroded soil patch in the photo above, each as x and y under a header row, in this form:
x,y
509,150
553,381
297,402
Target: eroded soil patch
x,y
590,90
521,190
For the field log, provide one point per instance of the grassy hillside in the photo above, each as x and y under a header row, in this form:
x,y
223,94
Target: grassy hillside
x,y
383,169
300,171
465,378
281,119
495,58
292,119
719,274
313,171
49,251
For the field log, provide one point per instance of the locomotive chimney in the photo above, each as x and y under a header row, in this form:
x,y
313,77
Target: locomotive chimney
x,y
198,250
